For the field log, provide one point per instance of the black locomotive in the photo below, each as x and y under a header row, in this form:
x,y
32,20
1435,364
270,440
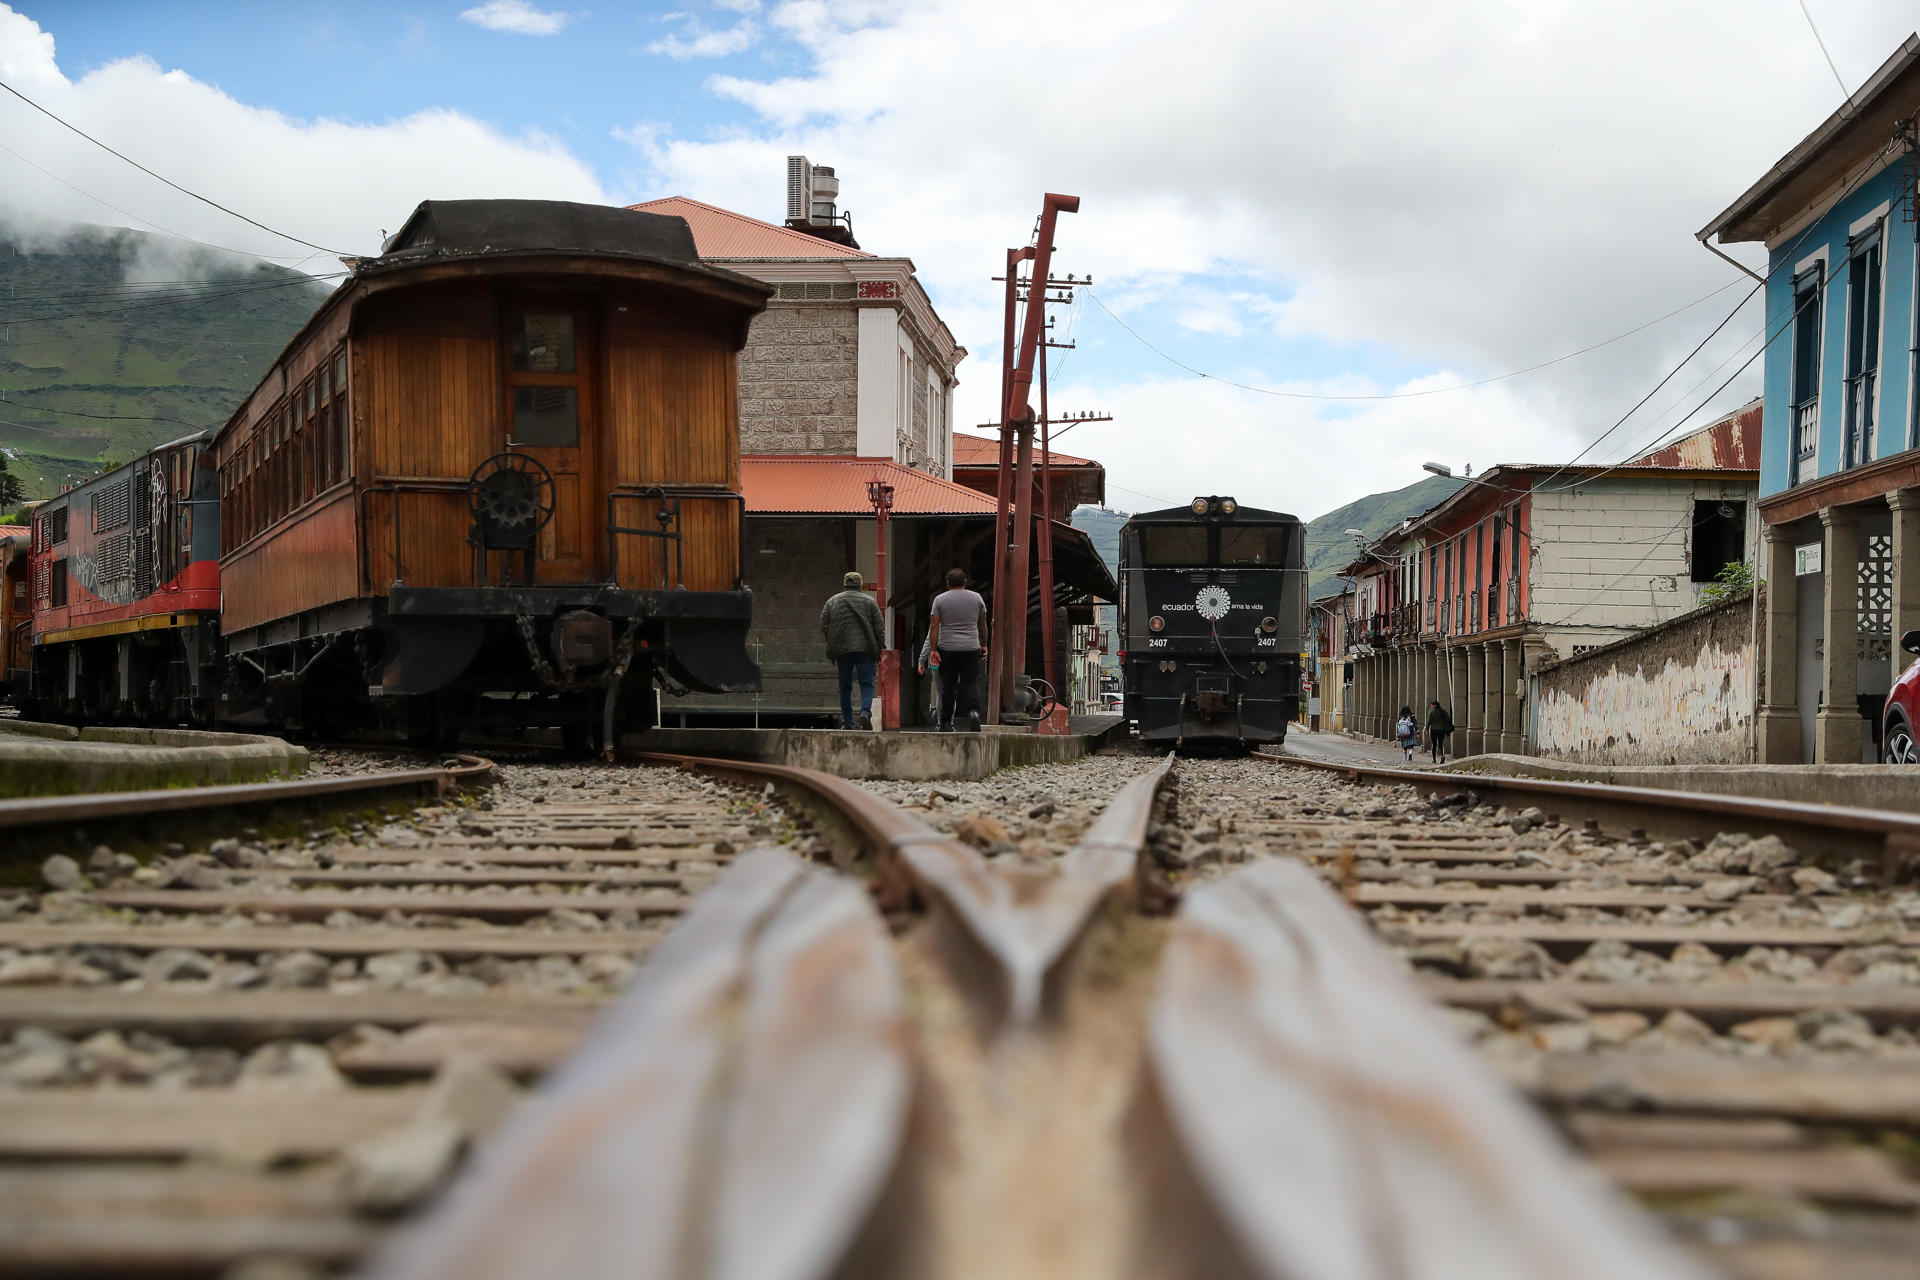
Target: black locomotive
x,y
1213,608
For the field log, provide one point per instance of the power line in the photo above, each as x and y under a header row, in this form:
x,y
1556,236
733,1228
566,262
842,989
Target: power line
x,y
104,417
1403,395
193,300
1844,91
170,182
149,221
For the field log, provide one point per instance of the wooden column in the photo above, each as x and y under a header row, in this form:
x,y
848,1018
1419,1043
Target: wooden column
x,y
1779,727
1474,691
1455,697
1513,734
1837,727
1494,716
1905,505
1493,739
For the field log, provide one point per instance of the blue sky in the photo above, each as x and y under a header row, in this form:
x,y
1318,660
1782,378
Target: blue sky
x,y
1377,198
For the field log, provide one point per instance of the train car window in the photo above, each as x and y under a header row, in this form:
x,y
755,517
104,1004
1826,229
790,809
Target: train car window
x,y
57,527
57,585
342,421
543,343
1164,545
1253,544
546,417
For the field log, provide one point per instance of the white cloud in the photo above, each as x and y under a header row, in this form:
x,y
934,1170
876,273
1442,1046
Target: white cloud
x,y
1477,191
329,182
701,41
517,16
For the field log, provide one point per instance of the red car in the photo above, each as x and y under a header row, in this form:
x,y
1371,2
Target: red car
x,y
1899,738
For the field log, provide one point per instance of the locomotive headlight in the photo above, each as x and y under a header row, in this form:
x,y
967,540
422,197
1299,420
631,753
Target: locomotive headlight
x,y
1168,664
1228,506
1269,624
1199,506
1156,623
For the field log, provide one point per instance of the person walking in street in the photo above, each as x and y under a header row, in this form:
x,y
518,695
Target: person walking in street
x,y
1439,730
1408,730
959,641
852,624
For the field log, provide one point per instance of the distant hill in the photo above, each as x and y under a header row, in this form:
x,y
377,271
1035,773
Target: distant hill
x,y
155,336
1103,527
1330,548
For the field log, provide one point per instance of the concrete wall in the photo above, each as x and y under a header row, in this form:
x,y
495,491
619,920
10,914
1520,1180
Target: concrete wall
x,y
1682,693
799,376
1616,553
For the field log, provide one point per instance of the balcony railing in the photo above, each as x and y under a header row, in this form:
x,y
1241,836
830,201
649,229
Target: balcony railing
x,y
1513,600
1493,606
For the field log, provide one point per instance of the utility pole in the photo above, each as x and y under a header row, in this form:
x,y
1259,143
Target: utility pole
x,y
1008,656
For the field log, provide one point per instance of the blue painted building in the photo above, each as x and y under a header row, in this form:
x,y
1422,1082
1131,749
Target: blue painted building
x,y
1840,453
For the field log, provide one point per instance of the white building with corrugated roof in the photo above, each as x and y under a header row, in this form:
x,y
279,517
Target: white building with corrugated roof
x,y
849,356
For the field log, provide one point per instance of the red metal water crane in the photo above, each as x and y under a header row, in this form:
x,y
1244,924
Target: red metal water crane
x,y
1007,656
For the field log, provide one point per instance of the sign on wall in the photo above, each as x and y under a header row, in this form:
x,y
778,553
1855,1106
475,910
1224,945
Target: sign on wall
x,y
1806,560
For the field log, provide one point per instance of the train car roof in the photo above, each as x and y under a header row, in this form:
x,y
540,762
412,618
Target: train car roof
x,y
454,230
1184,515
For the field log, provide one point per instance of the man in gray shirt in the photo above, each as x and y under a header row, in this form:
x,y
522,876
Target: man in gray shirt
x,y
959,639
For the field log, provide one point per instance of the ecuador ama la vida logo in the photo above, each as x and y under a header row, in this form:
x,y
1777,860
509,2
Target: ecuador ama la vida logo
x,y
1212,603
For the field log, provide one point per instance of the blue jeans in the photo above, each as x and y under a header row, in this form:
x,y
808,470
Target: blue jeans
x,y
855,666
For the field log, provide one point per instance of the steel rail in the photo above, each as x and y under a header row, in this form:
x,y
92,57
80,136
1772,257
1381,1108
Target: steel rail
x,y
1026,934
1840,830
29,812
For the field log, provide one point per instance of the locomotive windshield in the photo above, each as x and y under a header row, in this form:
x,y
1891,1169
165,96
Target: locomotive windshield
x,y
1253,544
1164,545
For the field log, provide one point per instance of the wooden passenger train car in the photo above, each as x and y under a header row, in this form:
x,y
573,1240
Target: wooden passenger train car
x,y
125,590
496,478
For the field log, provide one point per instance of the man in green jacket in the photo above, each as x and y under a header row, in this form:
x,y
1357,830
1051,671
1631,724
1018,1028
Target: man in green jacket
x,y
853,627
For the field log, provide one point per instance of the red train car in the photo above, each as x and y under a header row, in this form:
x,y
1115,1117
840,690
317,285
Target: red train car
x,y
125,586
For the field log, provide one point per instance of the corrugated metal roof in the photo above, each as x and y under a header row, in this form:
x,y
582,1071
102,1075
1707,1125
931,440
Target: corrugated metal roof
x,y
1731,444
721,233
809,484
978,451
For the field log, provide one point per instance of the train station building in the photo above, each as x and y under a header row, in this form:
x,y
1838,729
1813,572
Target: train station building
x,y
1525,565
1840,458
846,388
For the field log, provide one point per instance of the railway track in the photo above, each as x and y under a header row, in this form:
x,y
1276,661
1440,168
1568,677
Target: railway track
x,y
938,1031
254,1055
1724,1026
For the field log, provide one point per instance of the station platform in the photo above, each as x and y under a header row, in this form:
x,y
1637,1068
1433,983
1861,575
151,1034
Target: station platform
x,y
1340,748
912,755
38,759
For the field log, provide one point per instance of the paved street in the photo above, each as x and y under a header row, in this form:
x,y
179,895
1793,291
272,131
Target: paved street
x,y
1340,748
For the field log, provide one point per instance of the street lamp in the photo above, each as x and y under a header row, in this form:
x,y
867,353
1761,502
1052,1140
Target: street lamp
x,y
1438,468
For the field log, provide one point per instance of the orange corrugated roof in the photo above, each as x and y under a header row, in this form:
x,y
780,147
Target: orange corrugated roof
x,y
978,451
810,484
722,234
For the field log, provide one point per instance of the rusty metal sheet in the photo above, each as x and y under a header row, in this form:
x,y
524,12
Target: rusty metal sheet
x,y
755,1074
1339,1128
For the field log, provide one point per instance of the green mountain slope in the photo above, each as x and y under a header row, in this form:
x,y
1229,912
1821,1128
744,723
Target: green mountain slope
x,y
1330,548
156,337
